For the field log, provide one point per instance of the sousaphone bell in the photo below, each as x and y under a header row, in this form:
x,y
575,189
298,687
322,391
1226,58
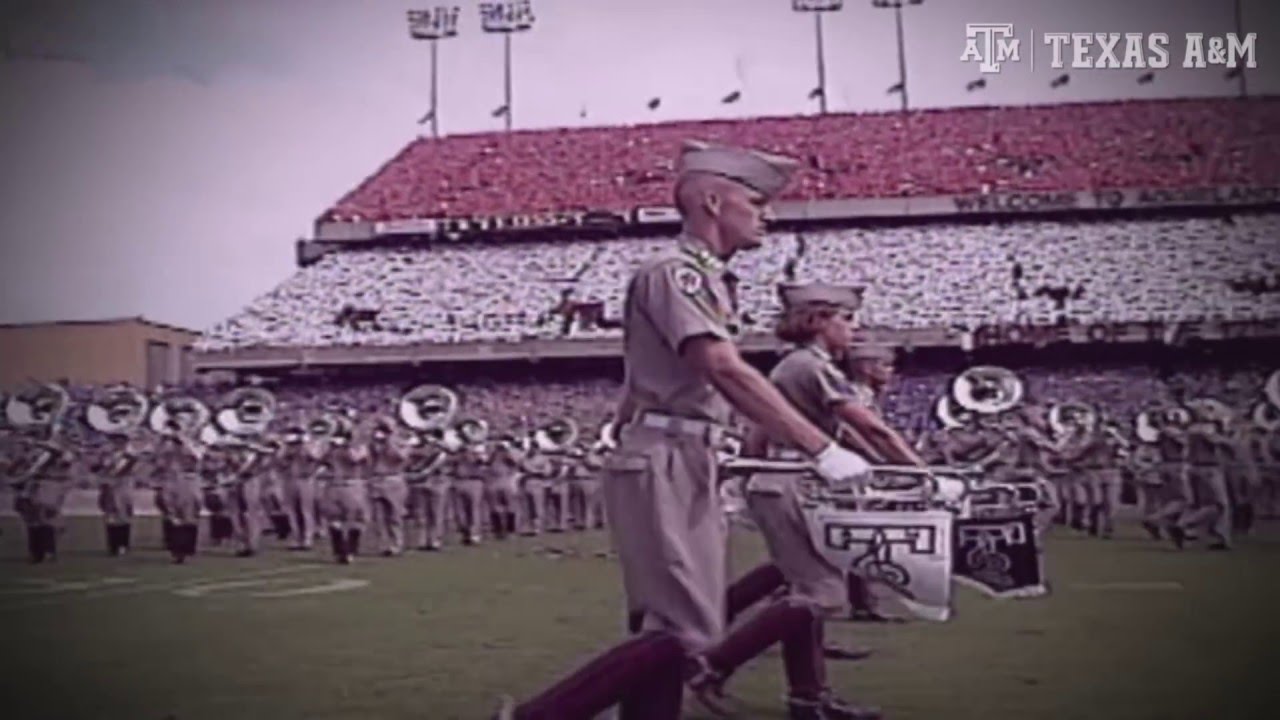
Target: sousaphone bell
x,y
117,410
987,389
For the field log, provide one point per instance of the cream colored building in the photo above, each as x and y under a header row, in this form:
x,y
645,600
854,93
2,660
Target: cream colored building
x,y
133,350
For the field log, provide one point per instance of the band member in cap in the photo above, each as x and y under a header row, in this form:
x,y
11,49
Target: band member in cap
x,y
344,498
1172,445
430,497
585,500
818,320
503,487
1211,502
388,491
47,467
683,377
117,477
272,483
537,470
297,465
470,467
244,493
217,497
178,477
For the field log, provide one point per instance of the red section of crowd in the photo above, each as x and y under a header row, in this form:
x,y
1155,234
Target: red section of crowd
x,y
1157,144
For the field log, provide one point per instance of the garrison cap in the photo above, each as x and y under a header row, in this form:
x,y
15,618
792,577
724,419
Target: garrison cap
x,y
795,295
763,172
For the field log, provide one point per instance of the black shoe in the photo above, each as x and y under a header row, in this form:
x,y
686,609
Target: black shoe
x,y
1153,530
246,553
1220,545
1178,536
832,652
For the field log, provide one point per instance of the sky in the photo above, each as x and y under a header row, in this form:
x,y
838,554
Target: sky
x,y
161,157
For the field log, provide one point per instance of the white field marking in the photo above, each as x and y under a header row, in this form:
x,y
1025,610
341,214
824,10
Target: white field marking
x,y
48,585
1152,585
206,588
157,587
332,586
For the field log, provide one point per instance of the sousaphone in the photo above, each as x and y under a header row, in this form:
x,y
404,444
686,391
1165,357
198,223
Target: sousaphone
x,y
427,407
117,410
181,416
1272,389
558,436
246,411
472,431
950,415
41,407
1207,409
1266,416
987,389
1146,427
1064,417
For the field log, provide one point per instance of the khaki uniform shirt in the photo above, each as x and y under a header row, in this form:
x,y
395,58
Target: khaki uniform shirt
x,y
675,298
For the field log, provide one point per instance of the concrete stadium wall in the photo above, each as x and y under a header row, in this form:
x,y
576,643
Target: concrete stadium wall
x,y
96,352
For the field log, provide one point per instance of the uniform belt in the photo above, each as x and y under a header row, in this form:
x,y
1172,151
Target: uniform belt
x,y
705,429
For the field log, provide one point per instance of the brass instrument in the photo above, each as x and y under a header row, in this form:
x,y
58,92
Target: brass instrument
x,y
117,410
987,389
246,411
38,410
428,407
557,437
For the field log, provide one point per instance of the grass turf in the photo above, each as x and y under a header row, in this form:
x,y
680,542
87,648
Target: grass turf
x,y
1133,629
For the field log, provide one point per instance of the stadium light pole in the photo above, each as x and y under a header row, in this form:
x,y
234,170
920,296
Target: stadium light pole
x,y
817,8
434,25
902,48
506,18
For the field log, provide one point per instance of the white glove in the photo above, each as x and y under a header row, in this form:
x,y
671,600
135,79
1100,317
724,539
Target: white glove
x,y
842,469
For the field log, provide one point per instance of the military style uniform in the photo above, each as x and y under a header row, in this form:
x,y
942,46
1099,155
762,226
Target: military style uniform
x,y
811,382
178,482
537,470
38,500
502,491
663,474
1211,501
297,467
244,495
344,498
470,467
388,495
117,481
429,497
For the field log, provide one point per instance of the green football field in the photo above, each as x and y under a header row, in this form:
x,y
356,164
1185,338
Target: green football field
x,y
1133,629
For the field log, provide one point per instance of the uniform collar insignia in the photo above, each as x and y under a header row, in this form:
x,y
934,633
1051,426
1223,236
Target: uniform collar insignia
x,y
701,255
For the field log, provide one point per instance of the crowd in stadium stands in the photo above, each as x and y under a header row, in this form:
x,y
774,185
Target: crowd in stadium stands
x,y
918,275
1156,144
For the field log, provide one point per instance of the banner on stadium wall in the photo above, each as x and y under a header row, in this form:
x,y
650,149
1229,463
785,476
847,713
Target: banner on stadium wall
x,y
1152,331
656,215
1032,202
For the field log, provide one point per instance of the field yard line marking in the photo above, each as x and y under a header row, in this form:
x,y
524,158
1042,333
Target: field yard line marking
x,y
333,586
48,586
158,587
1152,585
206,588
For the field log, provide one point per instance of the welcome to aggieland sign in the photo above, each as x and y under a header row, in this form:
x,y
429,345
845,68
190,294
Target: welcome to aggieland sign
x,y
1030,202
1170,333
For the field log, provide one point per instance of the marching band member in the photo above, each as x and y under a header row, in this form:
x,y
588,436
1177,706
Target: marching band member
x,y
585,503
1172,444
557,495
117,478
38,497
429,496
683,377
344,500
502,492
217,496
538,470
244,493
1211,502
272,481
1145,466
388,491
296,466
178,477
470,467
1244,478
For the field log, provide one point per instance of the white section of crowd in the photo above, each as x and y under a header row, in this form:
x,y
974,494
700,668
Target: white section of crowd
x,y
951,274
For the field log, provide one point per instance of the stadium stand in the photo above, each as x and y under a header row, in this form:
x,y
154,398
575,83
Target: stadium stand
x,y
917,275
1082,146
